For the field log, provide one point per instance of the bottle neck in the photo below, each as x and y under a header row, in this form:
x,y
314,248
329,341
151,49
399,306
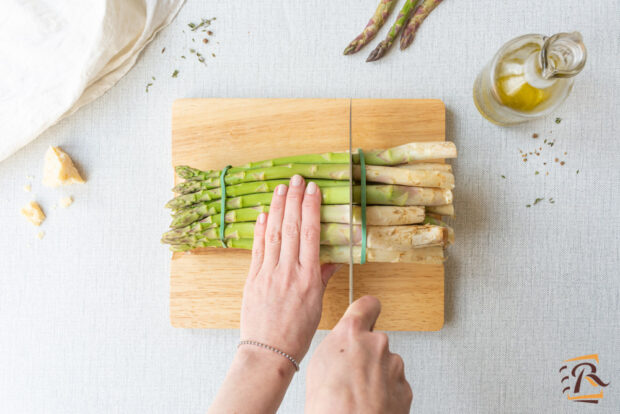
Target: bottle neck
x,y
533,73
562,55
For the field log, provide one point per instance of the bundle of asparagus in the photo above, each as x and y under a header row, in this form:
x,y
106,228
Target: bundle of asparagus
x,y
404,187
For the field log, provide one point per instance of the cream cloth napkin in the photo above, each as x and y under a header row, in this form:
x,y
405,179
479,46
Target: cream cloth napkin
x,y
58,55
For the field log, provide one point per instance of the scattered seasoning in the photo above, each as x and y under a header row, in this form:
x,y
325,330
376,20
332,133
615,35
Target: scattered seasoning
x,y
551,200
204,23
163,50
534,135
557,159
545,141
503,176
182,57
565,153
153,77
148,85
524,159
209,32
175,73
547,173
192,51
213,54
558,120
528,205
536,173
205,40
562,163
577,171
538,200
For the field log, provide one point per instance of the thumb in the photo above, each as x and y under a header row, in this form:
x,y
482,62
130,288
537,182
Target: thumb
x,y
363,312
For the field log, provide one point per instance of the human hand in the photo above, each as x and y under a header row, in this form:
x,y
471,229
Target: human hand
x,y
283,294
353,370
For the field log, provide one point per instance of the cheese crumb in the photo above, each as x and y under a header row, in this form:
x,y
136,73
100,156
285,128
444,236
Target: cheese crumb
x,y
27,188
59,169
32,212
66,201
40,235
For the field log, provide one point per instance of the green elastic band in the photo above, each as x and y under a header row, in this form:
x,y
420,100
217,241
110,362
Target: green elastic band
x,y
223,205
363,202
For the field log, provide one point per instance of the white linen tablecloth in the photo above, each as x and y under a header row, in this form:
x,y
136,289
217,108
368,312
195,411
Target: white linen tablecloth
x,y
84,312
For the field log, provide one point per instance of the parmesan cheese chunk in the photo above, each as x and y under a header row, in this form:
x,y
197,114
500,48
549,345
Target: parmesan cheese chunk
x,y
32,212
59,169
66,201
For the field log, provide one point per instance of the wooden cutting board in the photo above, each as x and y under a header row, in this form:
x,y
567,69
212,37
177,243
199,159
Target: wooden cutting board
x,y
206,286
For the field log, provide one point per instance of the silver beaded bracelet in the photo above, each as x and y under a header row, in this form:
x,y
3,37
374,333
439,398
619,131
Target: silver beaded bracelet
x,y
269,347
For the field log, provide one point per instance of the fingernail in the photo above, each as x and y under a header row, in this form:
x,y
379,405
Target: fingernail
x,y
296,180
261,218
311,188
281,189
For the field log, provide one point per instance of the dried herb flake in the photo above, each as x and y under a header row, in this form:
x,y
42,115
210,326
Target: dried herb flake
x,y
175,73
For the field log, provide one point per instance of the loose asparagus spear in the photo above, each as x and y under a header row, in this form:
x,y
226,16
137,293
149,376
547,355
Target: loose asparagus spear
x,y
373,26
416,151
375,194
418,17
401,19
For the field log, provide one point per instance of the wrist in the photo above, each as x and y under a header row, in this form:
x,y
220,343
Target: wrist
x,y
256,358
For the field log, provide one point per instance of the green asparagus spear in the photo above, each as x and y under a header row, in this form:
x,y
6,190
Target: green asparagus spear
x,y
373,26
334,234
333,172
375,216
401,19
211,194
375,194
416,151
340,254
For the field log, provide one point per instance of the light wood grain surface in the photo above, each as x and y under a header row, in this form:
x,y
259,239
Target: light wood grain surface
x,y
206,286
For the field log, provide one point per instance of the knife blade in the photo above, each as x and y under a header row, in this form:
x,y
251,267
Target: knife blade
x,y
350,203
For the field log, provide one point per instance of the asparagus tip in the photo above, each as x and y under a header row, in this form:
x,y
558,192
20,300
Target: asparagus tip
x,y
349,50
378,52
405,41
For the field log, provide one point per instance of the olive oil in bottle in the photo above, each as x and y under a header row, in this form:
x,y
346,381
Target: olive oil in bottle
x,y
529,77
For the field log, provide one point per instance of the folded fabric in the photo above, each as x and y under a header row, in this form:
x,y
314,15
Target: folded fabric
x,y
58,55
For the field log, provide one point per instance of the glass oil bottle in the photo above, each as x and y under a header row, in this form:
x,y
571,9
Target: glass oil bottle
x,y
529,77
